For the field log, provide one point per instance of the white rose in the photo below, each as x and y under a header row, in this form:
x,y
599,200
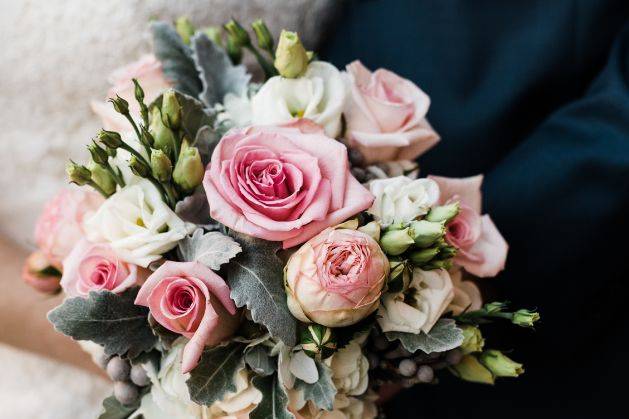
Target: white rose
x,y
240,403
345,407
318,95
428,295
137,224
349,370
401,199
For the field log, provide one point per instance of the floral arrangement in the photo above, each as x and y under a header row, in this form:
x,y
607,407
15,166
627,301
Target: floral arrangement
x,y
267,250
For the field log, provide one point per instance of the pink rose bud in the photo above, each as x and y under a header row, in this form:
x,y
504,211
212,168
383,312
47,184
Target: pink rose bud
x,y
40,274
282,183
189,299
386,116
336,278
60,226
95,267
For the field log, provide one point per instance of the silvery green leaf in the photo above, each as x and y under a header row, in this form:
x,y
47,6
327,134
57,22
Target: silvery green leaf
x,y
211,249
323,391
256,279
113,409
176,59
194,116
111,320
443,336
218,75
303,367
214,376
257,357
206,140
195,209
274,404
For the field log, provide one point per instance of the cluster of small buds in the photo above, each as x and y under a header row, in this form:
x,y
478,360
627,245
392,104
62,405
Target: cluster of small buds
x,y
128,379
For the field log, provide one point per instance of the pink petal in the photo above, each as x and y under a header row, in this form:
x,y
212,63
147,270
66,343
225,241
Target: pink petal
x,y
467,189
490,249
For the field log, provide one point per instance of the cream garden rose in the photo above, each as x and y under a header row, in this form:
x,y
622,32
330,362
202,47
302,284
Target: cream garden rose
x,y
418,309
137,224
349,370
318,95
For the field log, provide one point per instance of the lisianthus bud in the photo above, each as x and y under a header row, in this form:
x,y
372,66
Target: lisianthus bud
x,y
422,256
120,105
138,91
161,166
171,110
110,138
189,169
426,233
164,138
400,276
470,369
396,242
525,318
99,156
472,339
184,28
78,174
444,213
291,59
146,138
215,34
103,178
499,364
138,167
495,307
373,229
318,340
233,50
265,39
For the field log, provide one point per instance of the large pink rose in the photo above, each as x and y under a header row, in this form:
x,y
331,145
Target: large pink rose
x,y
95,267
482,251
282,184
148,71
386,115
60,226
336,278
189,299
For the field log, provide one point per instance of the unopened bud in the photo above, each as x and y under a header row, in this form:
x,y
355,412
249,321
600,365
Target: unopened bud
x,y
400,276
494,307
78,174
470,369
139,92
99,155
372,229
437,264
185,29
138,167
146,137
472,339
215,34
265,39
163,138
525,318
110,138
233,50
171,110
396,242
426,233
189,169
237,33
318,340
444,213
422,256
103,178
291,59
499,364
447,252
120,105
161,166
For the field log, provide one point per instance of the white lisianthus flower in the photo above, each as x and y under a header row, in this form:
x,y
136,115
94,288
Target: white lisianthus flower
x,y
401,199
318,95
137,224
426,299
349,370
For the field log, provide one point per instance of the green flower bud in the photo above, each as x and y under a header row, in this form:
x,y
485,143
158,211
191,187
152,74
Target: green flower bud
x,y
161,166
500,365
171,110
189,169
399,276
120,105
396,242
472,339
146,138
111,152
103,178
110,138
447,252
234,51
265,39
138,167
437,264
470,369
185,29
422,256
215,34
443,213
99,155
426,233
237,33
163,138
78,174
139,92
396,226
318,340
525,318
372,229
495,307
291,59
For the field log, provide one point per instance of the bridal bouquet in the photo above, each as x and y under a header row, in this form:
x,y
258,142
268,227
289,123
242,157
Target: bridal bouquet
x,y
267,250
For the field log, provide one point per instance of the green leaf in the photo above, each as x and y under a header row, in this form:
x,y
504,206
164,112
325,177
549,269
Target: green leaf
x,y
344,335
207,139
256,279
214,376
211,249
323,391
257,357
218,75
113,409
176,59
110,320
274,404
442,337
194,116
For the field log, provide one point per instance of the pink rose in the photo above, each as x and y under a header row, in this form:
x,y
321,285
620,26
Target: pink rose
x,y
482,251
386,116
282,184
40,274
467,296
60,226
189,299
148,71
336,278
95,267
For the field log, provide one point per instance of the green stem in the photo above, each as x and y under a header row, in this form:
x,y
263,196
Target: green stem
x,y
135,127
269,70
131,150
98,188
118,179
162,191
171,192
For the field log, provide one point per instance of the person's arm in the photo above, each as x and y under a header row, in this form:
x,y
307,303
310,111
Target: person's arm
x,y
23,310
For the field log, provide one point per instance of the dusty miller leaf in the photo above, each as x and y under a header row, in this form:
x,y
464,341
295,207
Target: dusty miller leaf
x,y
113,409
214,376
206,140
443,336
211,249
195,209
218,75
274,404
113,321
257,357
323,391
256,279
